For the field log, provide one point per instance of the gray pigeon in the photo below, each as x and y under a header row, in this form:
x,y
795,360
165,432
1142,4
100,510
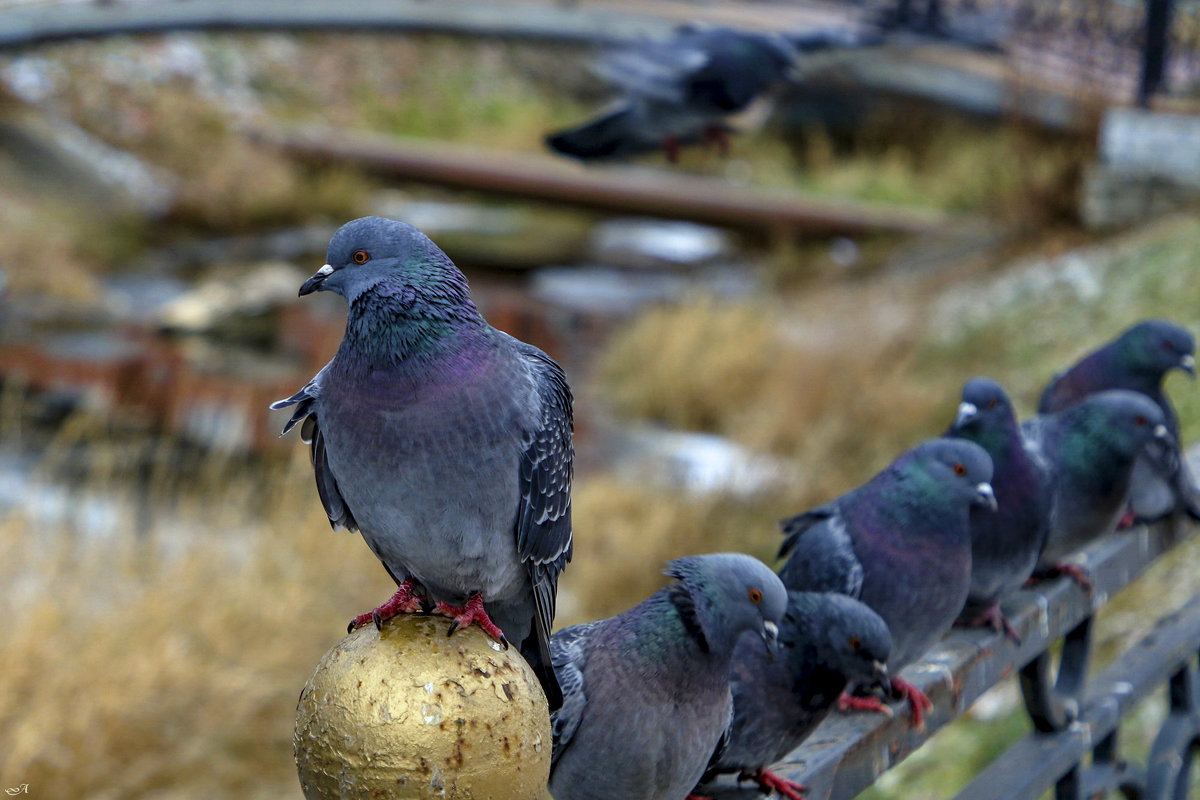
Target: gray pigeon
x,y
446,442
646,698
1090,449
678,91
901,543
1139,359
1004,544
826,641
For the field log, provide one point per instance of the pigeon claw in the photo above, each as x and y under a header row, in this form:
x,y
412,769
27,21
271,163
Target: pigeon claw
x,y
849,702
471,613
992,617
917,701
770,782
1072,571
404,601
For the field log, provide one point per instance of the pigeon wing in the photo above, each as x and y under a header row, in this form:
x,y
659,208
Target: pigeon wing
x,y
310,432
544,518
821,550
568,653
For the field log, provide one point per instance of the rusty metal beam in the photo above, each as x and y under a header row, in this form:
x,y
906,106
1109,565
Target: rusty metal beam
x,y
623,190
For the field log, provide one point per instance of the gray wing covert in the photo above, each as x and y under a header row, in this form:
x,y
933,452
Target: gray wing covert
x,y
547,468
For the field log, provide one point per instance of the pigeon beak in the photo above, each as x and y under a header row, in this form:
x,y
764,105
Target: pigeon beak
x,y
1188,365
881,676
313,284
966,413
770,635
1161,433
984,496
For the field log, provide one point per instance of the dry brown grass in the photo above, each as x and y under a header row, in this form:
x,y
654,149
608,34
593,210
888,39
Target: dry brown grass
x,y
826,380
625,534
167,665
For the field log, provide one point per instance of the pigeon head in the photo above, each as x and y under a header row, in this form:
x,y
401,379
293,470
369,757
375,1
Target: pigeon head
x,y
730,594
957,470
375,252
1156,346
1118,421
985,405
849,637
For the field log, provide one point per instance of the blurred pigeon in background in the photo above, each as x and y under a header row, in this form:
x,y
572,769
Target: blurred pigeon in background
x,y
826,640
1139,359
646,697
901,543
680,90
1089,449
1005,544
446,442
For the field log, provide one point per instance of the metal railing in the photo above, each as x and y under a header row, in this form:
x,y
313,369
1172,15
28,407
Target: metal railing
x,y
1075,746
1149,47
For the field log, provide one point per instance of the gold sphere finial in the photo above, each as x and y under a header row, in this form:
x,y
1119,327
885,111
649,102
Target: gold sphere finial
x,y
409,712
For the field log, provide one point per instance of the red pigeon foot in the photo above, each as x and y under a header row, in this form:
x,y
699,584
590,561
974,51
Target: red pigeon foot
x,y
404,601
848,702
718,135
1072,571
917,701
1127,520
770,782
992,617
472,612
671,147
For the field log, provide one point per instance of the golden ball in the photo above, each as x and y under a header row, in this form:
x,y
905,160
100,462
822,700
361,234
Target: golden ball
x,y
409,712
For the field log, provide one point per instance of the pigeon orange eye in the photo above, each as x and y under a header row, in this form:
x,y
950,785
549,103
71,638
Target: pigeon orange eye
x,y
855,643
361,257
960,470
756,596
1139,420
991,403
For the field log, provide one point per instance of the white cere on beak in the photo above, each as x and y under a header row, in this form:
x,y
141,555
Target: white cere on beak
x,y
325,271
1160,431
1188,362
966,411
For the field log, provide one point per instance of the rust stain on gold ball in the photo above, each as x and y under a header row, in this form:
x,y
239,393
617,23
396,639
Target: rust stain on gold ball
x,y
409,712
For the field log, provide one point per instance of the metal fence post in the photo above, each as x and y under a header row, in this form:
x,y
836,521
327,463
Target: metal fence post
x,y
1154,50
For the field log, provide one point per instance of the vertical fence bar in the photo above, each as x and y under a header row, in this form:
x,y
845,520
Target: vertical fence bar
x,y
1155,50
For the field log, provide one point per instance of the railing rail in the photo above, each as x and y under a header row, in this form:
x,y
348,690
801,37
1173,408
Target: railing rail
x,y
1075,746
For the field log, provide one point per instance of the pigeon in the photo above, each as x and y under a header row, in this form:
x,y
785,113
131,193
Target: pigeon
x,y
678,91
646,698
1005,544
1090,450
444,441
1139,359
826,640
900,543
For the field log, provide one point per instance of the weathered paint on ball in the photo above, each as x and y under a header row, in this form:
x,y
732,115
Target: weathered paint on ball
x,y
411,713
